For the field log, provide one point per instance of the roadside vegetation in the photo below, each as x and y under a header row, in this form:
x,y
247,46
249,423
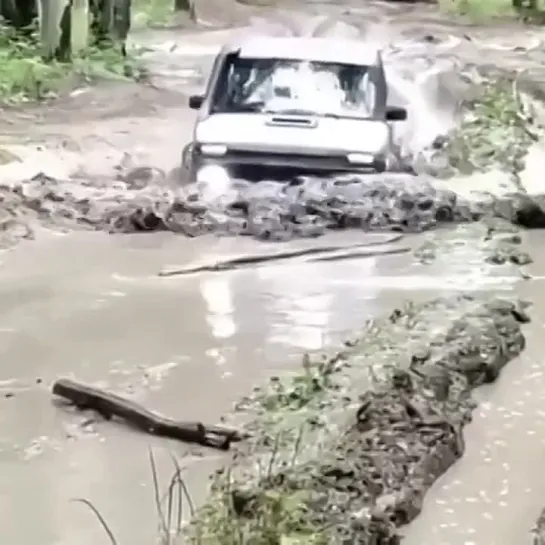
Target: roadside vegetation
x,y
490,11
285,408
49,46
270,512
161,14
496,132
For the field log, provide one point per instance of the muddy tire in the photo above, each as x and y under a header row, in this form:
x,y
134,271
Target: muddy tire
x,y
397,164
187,174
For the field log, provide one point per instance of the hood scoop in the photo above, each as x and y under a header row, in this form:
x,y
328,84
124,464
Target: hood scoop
x,y
291,121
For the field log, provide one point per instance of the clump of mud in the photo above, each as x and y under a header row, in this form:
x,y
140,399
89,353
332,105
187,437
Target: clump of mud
x,y
268,210
539,530
401,409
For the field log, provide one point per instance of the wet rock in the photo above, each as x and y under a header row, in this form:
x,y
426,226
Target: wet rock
x,y
360,479
141,177
522,209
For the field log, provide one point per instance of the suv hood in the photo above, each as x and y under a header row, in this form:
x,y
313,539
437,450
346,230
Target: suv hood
x,y
293,133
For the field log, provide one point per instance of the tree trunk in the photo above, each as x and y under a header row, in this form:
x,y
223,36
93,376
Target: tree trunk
x,y
110,22
53,14
121,22
19,13
63,51
182,5
79,15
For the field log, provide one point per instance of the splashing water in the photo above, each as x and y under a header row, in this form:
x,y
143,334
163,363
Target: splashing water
x,y
215,187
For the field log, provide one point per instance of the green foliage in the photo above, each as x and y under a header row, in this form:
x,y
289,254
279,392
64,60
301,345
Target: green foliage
x,y
25,76
275,510
274,513
161,13
479,10
294,393
495,133
484,11
152,13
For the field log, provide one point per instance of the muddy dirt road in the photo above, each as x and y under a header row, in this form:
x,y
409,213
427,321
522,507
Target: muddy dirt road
x,y
91,305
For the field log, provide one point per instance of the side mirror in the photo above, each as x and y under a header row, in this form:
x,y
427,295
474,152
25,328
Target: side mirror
x,y
195,102
396,113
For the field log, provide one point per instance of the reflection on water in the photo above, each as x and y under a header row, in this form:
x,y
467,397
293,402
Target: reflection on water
x,y
217,294
188,347
304,305
92,306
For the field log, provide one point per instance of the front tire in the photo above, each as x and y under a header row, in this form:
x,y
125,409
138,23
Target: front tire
x,y
188,168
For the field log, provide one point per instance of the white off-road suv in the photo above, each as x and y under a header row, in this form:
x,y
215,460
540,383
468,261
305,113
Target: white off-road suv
x,y
276,107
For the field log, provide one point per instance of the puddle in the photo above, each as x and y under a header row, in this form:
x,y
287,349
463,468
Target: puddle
x,y
188,347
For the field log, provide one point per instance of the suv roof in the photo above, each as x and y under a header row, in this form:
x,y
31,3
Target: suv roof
x,y
307,49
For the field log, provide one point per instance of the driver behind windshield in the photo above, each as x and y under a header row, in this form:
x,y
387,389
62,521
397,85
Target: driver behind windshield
x,y
280,86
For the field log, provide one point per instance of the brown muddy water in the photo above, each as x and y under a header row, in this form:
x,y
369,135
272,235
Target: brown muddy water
x,y
91,306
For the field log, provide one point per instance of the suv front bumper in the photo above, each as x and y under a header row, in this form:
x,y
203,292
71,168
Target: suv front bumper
x,y
266,165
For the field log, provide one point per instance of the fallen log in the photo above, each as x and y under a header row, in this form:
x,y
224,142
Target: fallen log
x,y
241,261
109,405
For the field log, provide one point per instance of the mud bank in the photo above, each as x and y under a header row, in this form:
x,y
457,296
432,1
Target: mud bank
x,y
347,451
140,202
539,530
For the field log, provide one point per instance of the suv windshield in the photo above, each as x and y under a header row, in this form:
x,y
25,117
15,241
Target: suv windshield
x,y
294,86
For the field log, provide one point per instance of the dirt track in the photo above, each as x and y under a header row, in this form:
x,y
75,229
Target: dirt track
x,y
111,154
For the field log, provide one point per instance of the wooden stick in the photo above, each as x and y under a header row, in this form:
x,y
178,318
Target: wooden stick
x,y
238,262
110,405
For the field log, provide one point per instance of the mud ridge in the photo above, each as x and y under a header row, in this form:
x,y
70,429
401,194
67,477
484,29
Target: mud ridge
x,y
268,210
396,399
539,530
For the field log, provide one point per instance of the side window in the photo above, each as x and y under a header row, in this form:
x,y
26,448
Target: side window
x,y
369,92
218,86
212,75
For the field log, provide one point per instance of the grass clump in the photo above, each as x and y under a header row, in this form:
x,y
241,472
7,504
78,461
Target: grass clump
x,y
297,391
489,11
495,133
479,10
273,515
160,13
271,501
152,12
25,76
